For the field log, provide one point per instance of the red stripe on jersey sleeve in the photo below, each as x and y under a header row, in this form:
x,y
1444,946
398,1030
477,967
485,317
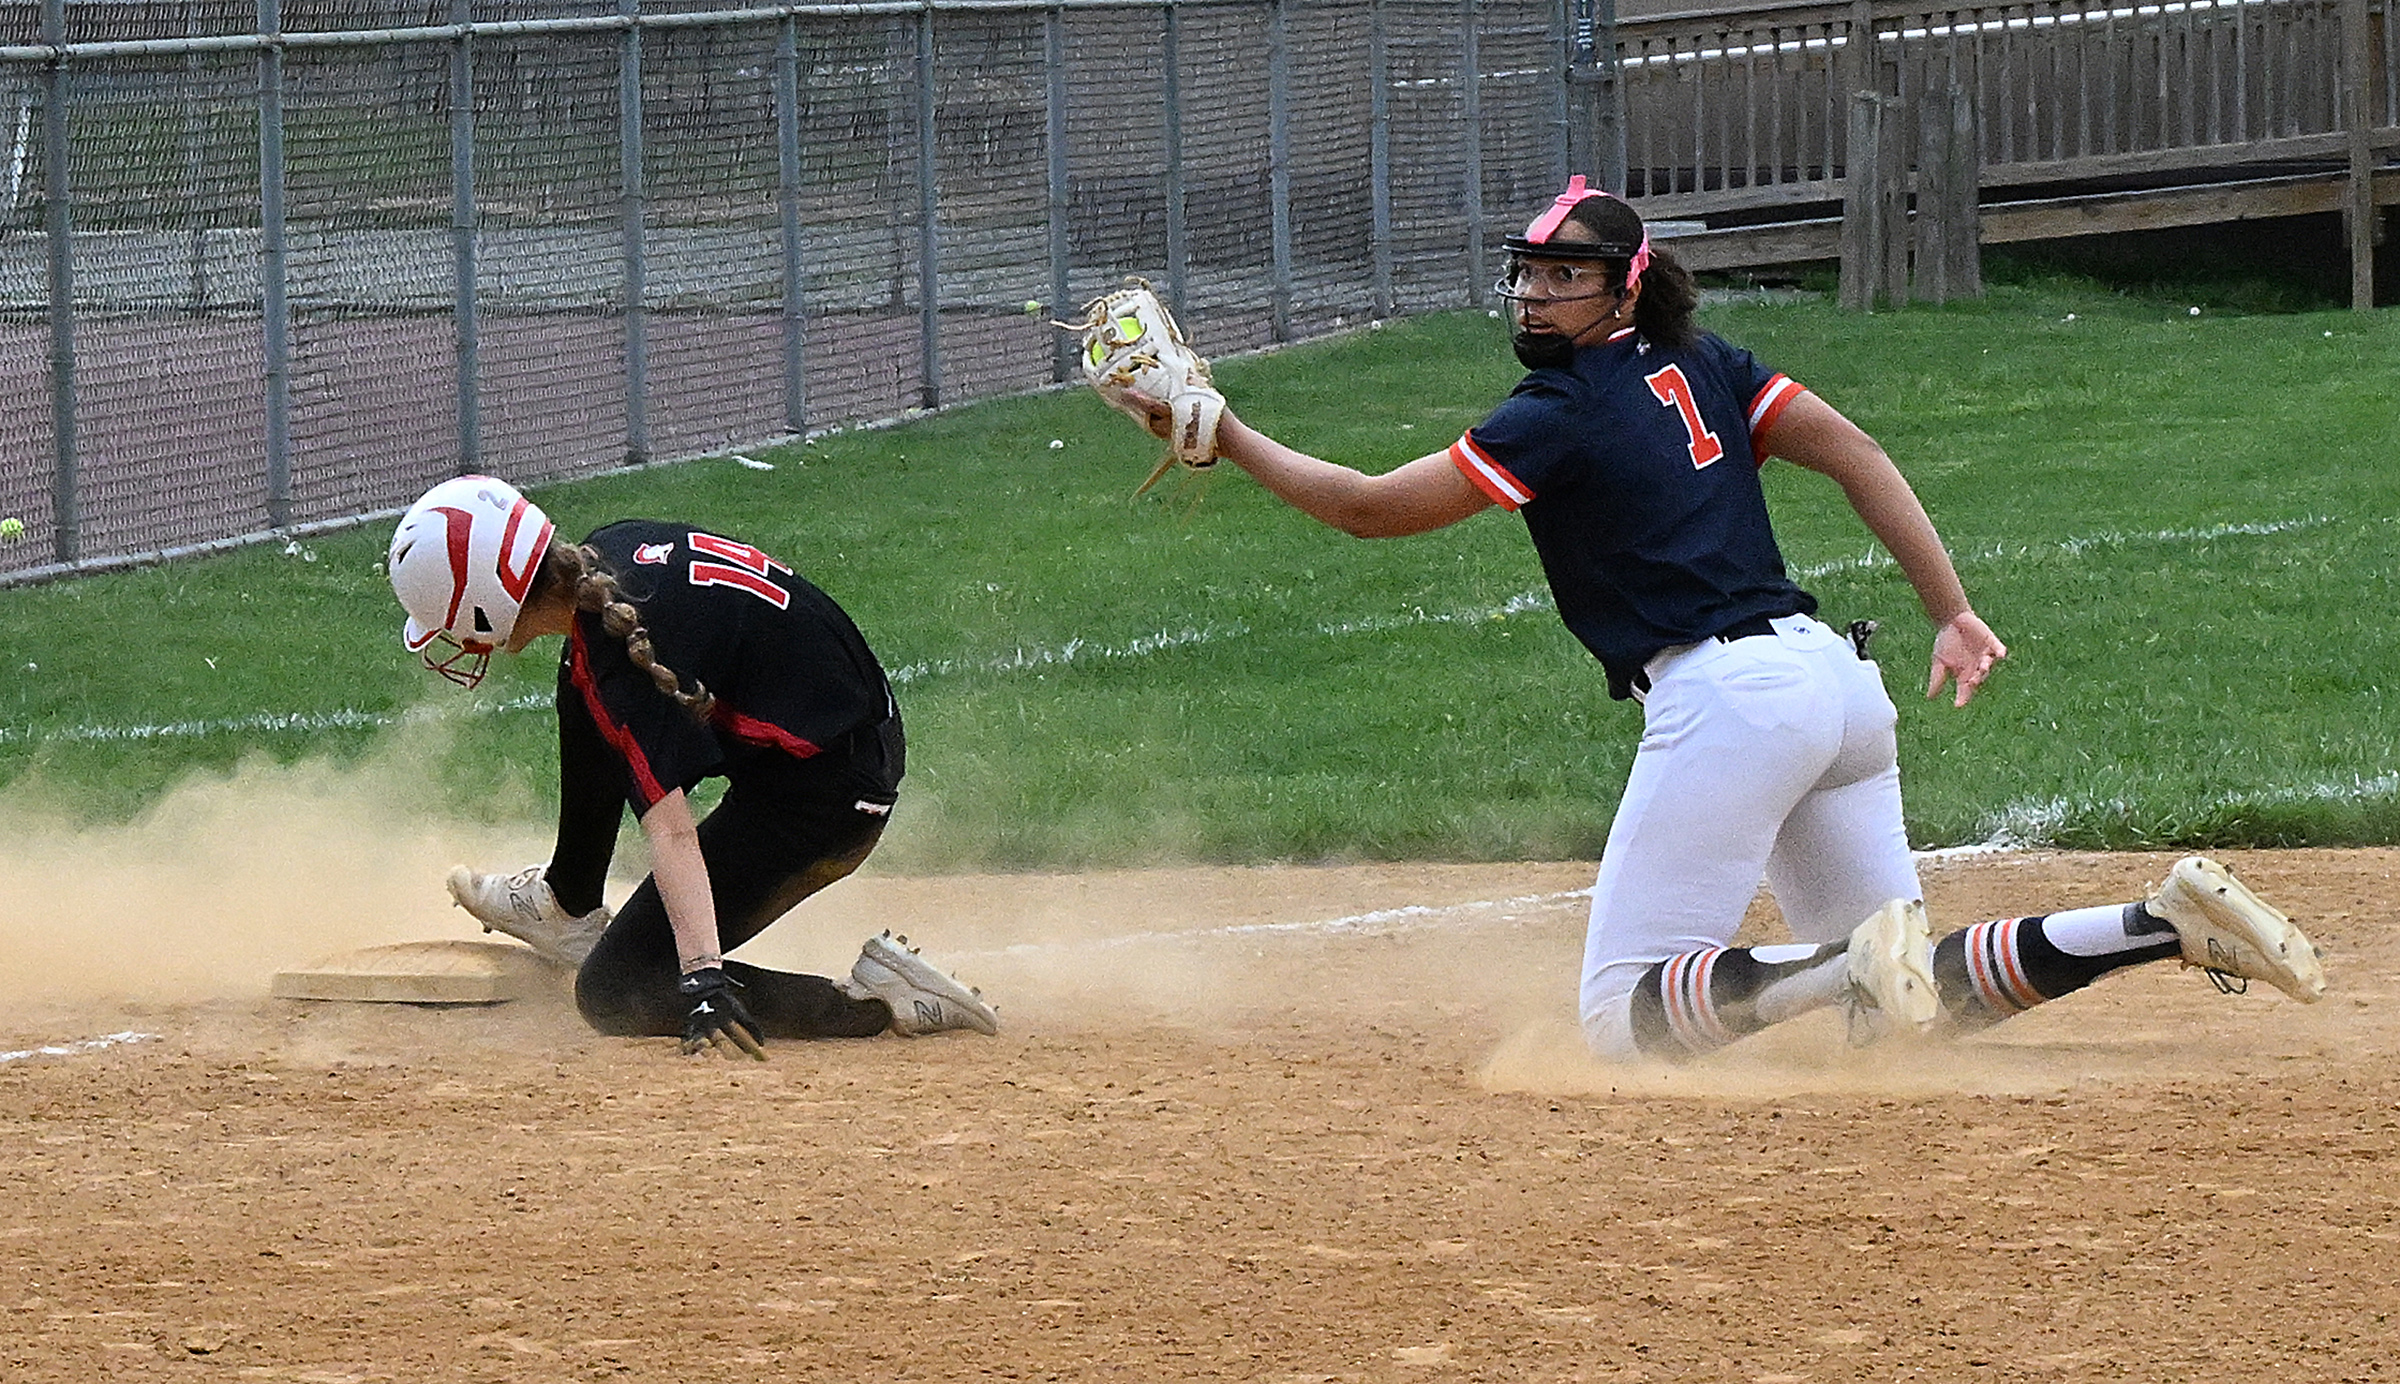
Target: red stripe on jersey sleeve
x,y
759,732
579,669
1766,408
1487,475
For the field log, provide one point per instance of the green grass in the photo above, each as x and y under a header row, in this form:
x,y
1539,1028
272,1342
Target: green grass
x,y
2180,524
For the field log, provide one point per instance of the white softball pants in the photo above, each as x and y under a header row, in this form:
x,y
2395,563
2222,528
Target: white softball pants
x,y
1769,757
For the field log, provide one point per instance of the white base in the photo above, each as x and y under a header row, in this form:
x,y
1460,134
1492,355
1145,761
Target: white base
x,y
446,972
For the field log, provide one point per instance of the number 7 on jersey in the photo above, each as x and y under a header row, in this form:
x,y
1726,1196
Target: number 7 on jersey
x,y
1675,392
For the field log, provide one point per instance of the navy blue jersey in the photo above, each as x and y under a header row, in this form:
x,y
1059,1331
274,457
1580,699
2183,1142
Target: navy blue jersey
x,y
791,674
1636,468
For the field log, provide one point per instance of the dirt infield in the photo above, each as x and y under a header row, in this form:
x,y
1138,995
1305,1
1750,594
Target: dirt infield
x,y
1282,1124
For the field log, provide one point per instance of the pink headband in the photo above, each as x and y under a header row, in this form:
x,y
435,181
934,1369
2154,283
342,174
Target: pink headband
x,y
1547,224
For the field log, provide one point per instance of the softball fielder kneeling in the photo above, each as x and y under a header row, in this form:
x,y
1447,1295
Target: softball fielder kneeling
x,y
1632,450
688,656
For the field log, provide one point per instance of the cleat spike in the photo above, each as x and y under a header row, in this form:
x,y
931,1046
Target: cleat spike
x,y
2234,936
922,998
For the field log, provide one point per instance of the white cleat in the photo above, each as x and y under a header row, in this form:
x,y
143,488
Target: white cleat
x,y
921,997
522,906
1891,972
2233,934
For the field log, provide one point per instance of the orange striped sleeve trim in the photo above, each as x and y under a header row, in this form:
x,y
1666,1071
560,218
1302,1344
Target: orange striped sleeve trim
x,y
1766,408
1487,475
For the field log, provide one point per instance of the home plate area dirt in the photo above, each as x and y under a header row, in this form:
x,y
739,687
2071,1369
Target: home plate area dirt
x,y
1296,1124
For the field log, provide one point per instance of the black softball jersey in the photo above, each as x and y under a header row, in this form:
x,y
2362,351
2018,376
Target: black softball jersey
x,y
791,674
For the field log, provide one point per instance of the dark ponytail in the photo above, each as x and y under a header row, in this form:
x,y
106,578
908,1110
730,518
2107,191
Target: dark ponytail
x,y
1665,312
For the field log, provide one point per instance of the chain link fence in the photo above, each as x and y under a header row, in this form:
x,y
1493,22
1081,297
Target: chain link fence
x,y
264,269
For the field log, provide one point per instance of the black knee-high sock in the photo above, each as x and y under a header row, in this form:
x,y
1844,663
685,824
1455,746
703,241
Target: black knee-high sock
x,y
1995,970
1691,1005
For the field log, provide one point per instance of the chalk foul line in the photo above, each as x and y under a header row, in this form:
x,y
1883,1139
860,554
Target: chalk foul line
x,y
106,1040
1381,921
2031,823
1376,922
1036,658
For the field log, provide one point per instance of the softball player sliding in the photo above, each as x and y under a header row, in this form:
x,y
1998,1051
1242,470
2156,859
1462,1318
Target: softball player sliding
x,y
1632,450
689,655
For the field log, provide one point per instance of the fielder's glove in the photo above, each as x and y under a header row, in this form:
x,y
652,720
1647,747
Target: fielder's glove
x,y
1136,358
717,1018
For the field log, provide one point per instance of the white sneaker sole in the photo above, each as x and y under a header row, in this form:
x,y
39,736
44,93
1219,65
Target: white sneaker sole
x,y
940,1003
564,943
1891,966
2234,932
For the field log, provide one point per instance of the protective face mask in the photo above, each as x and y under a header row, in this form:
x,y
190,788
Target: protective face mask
x,y
1542,350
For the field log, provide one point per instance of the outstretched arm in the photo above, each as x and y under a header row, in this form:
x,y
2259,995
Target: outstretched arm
x,y
1425,494
1812,433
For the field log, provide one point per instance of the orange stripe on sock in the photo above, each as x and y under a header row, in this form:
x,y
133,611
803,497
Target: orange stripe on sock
x,y
1690,1015
2012,968
2000,975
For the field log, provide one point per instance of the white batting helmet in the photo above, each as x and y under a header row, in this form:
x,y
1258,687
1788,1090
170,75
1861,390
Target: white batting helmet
x,y
462,560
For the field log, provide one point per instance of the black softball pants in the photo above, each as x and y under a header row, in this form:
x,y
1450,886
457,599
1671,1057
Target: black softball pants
x,y
785,829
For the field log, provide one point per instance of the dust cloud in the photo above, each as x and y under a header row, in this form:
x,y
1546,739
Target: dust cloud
x,y
231,877
1212,947
1491,954
1809,1056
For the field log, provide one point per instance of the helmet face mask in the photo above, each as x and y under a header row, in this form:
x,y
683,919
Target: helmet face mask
x,y
1612,233
462,665
462,561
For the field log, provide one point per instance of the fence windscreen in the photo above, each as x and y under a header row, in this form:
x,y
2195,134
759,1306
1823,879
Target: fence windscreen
x,y
252,285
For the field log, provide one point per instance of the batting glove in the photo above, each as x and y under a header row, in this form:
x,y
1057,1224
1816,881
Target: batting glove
x,y
717,1018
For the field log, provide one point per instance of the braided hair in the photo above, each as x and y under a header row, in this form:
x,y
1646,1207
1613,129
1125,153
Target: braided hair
x,y
579,571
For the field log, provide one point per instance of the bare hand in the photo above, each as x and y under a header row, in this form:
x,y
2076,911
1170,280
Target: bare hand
x,y
1965,649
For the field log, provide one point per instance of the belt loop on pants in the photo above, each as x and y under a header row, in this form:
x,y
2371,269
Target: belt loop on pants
x,y
1659,660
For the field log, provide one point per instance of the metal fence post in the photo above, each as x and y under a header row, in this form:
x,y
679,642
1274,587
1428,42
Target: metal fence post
x,y
1470,74
1172,59
1379,155
1279,164
1563,139
633,198
1596,100
787,206
462,242
929,283
195,206
59,226
1054,73
1608,99
274,306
